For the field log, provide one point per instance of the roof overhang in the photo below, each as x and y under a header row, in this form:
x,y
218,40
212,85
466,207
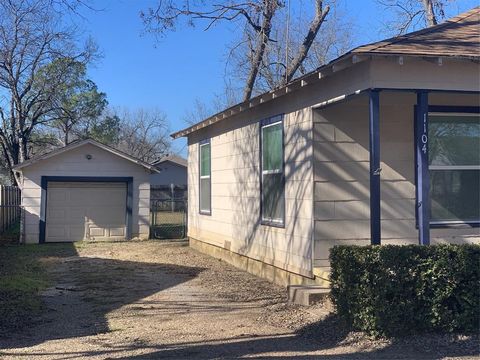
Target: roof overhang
x,y
385,48
306,80
331,69
78,144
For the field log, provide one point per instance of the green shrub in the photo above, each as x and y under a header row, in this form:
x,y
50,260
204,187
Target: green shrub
x,y
397,290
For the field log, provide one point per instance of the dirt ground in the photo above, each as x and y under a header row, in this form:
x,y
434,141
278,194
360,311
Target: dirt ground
x,y
148,300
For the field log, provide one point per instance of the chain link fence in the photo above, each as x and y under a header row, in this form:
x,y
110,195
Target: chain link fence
x,y
168,219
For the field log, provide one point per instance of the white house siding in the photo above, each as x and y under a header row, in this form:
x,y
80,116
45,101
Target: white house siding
x,y
418,73
234,223
338,204
74,163
341,172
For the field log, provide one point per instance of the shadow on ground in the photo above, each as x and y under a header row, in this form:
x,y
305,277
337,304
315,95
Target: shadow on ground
x,y
330,334
85,289
88,288
325,335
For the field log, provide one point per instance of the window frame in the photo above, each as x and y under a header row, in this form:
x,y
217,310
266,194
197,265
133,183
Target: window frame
x,y
450,110
271,121
200,177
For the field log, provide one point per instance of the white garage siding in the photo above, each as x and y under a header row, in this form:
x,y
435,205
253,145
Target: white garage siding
x,y
74,163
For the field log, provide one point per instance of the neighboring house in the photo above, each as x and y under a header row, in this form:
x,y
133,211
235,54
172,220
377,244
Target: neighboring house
x,y
172,170
85,191
379,146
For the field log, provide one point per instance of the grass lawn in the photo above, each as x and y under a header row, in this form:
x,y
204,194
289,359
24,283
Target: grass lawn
x,y
23,275
167,217
168,225
11,235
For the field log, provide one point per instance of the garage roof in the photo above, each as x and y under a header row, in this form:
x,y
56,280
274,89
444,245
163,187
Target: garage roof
x,y
454,38
172,158
78,144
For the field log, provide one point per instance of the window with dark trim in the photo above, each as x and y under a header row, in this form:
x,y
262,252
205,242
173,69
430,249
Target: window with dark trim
x,y
205,183
454,166
272,171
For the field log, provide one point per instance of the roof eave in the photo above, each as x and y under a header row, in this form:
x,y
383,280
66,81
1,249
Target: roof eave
x,y
79,144
329,69
347,60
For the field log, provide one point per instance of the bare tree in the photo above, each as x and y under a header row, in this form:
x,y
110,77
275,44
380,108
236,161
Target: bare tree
x,y
413,14
32,35
256,16
200,110
319,18
143,133
334,39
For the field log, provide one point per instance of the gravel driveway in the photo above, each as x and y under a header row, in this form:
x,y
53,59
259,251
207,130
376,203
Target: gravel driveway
x,y
148,300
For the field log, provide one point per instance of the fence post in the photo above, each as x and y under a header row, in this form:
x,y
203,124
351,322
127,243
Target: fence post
x,y
1,209
9,204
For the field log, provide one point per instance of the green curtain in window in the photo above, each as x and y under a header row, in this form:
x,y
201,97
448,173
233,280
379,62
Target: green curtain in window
x,y
205,160
272,153
205,197
273,197
273,194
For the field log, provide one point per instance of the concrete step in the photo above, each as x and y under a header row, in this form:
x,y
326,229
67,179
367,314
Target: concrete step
x,y
307,294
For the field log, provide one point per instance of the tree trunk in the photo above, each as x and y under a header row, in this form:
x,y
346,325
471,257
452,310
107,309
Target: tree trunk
x,y
23,153
317,22
11,153
430,14
66,135
270,8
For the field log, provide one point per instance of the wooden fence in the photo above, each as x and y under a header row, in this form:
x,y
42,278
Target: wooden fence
x,y
10,208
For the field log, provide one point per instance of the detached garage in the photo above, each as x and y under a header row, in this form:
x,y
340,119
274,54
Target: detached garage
x,y
85,191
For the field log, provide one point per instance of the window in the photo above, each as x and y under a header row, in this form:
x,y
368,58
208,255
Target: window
x,y
205,178
454,166
272,172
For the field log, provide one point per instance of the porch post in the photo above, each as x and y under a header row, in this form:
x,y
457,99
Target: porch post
x,y
422,174
374,147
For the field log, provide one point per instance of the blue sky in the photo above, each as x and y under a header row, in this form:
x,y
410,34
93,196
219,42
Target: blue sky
x,y
189,64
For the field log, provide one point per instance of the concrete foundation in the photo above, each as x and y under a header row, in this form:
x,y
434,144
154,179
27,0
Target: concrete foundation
x,y
274,274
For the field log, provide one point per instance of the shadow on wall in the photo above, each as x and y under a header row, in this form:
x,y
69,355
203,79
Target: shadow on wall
x,y
87,289
341,164
263,242
341,155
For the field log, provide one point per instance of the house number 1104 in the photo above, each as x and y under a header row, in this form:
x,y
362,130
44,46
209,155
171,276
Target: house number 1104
x,y
424,135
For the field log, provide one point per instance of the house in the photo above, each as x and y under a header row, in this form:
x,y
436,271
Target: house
x,y
380,146
172,170
85,191
171,180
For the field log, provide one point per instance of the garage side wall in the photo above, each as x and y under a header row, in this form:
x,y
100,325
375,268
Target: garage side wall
x,y
75,163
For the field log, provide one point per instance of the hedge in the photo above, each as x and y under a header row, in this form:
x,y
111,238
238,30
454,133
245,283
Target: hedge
x,y
393,290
